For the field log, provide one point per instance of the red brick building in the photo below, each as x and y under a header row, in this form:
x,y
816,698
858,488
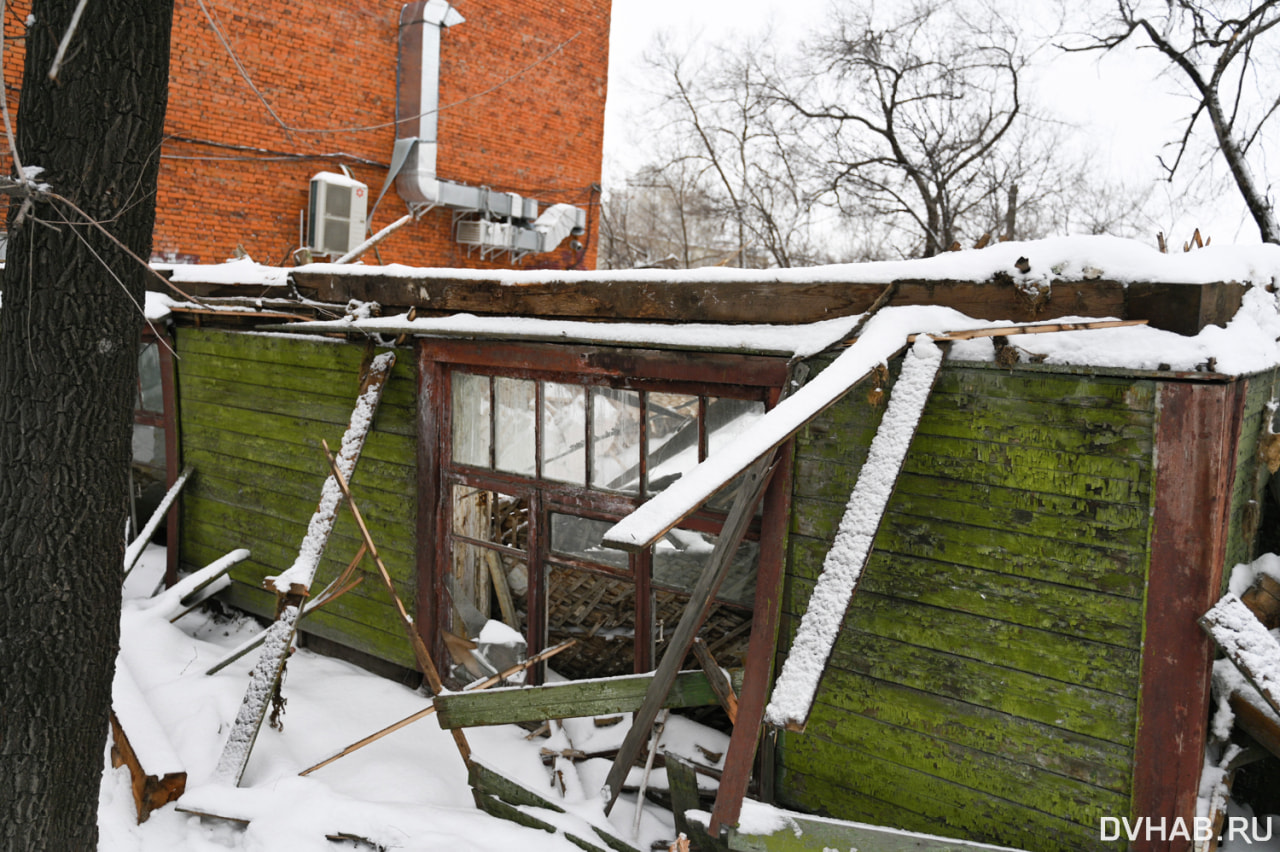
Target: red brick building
x,y
265,94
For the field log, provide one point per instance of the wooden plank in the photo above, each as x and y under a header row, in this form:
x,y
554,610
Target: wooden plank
x,y
568,699
156,775
292,585
892,795
654,518
1033,328
1247,644
852,544
1036,744
991,774
1073,708
1052,655
804,833
1195,451
1067,611
717,679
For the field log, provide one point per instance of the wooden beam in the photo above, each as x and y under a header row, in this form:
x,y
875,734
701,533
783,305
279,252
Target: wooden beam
x,y
701,599
803,833
568,699
1196,440
759,297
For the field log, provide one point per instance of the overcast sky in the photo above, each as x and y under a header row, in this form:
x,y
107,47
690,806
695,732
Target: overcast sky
x,y
1125,110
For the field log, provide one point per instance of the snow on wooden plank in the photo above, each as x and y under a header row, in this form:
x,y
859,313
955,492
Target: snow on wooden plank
x,y
654,518
139,544
185,592
303,570
262,686
1247,644
793,694
157,774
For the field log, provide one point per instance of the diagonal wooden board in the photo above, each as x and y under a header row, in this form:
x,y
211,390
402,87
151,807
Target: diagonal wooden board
x,y
265,678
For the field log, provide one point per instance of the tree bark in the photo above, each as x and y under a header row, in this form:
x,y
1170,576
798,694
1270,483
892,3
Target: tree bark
x,y
69,332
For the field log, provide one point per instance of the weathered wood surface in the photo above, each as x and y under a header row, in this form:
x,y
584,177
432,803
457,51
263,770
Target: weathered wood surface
x,y
156,774
813,834
1183,308
567,700
1247,644
1249,492
253,409
1196,450
986,681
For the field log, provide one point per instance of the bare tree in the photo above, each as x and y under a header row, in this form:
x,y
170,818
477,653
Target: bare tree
x,y
748,153
69,332
1226,51
911,112
664,217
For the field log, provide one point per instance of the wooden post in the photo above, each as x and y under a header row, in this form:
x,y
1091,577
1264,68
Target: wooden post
x,y
700,601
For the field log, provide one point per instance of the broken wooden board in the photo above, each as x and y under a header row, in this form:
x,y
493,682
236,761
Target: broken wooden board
x,y
156,773
794,832
293,585
504,798
797,683
134,551
1247,644
597,697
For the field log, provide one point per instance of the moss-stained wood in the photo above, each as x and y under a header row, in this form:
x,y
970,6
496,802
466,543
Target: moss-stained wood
x,y
1248,498
566,700
1084,758
1023,694
990,662
974,769
252,410
1068,611
893,795
1051,655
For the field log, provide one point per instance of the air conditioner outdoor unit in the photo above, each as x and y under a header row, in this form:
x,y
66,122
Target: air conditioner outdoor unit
x,y
338,212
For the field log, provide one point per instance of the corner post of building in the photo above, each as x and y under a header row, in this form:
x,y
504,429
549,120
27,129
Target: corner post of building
x,y
430,429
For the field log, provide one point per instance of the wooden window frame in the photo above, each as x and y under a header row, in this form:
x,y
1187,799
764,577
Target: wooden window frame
x,y
705,374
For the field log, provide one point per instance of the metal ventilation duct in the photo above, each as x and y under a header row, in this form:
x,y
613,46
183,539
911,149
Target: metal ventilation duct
x,y
413,161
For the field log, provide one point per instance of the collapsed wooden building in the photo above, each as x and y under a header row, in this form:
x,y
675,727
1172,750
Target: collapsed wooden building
x,y
1021,657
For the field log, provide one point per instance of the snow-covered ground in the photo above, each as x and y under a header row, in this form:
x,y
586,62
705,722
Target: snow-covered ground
x,y
407,791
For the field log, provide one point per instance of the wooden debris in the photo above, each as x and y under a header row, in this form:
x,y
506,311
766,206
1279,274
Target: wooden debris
x,y
1247,644
422,714
134,551
1233,759
1255,722
1269,450
719,681
156,774
1263,600
648,769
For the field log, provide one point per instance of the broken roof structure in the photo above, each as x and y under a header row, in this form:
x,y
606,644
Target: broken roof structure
x,y
954,519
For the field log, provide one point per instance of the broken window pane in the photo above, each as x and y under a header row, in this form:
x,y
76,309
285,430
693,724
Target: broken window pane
x,y
471,419
672,425
564,432
491,516
151,394
680,556
615,440
726,420
580,538
515,401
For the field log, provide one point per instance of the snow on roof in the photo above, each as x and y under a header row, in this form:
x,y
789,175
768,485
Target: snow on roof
x,y
1063,258
241,271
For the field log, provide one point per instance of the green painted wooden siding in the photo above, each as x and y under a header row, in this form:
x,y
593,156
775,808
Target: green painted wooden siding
x,y
1251,474
985,682
252,410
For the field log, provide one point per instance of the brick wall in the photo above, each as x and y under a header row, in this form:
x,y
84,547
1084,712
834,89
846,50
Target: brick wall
x,y
231,175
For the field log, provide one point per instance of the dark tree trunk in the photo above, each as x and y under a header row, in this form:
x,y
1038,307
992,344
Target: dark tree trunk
x,y
69,330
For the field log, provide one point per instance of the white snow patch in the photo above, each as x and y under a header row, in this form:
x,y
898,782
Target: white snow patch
x,y
796,685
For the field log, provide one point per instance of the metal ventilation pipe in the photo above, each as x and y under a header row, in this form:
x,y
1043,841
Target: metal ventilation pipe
x,y
413,161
